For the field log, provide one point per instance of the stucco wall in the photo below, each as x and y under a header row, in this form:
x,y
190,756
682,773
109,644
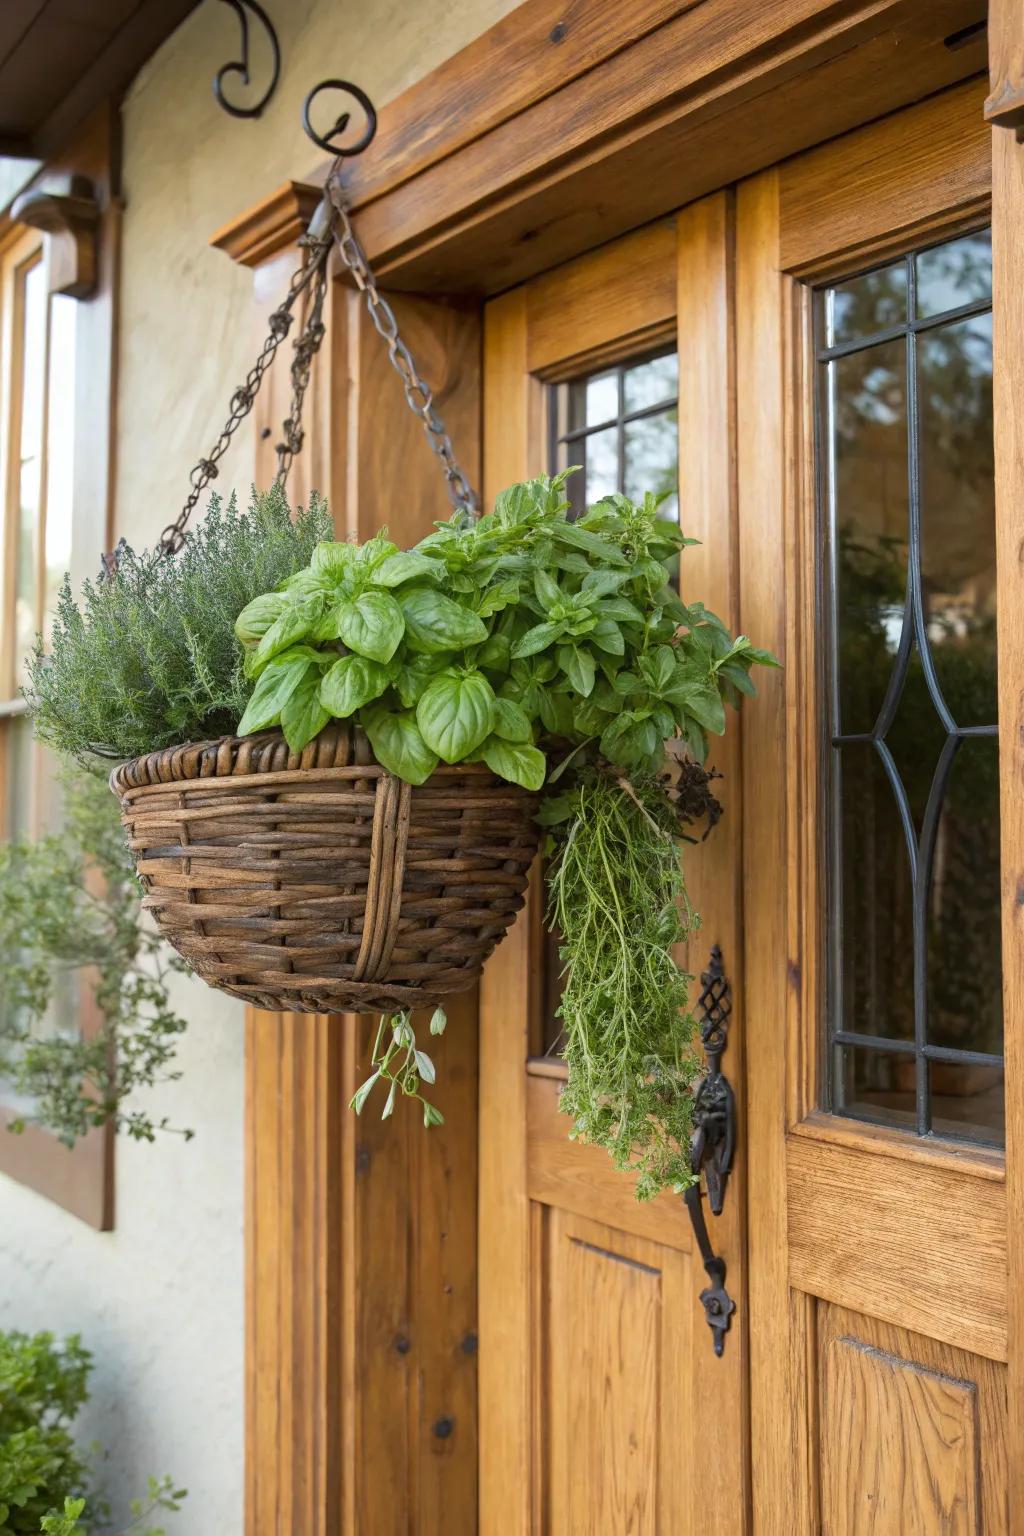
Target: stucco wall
x,y
160,1299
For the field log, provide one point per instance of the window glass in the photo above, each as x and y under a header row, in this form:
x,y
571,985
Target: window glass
x,y
905,445
620,426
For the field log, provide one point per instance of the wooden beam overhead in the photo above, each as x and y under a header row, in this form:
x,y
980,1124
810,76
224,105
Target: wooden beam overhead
x,y
531,146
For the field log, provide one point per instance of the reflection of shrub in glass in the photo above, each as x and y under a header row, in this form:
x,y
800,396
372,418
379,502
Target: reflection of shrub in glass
x,y
964,950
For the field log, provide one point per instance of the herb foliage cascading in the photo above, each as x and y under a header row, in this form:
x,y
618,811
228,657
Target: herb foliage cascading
x,y
555,652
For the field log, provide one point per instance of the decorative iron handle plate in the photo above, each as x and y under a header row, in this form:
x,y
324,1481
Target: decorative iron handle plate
x,y
713,1142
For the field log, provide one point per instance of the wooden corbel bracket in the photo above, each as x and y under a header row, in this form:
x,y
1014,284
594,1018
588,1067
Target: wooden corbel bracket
x,y
69,214
1004,107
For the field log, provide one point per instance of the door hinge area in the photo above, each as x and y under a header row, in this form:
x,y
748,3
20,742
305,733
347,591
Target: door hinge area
x,y
713,1142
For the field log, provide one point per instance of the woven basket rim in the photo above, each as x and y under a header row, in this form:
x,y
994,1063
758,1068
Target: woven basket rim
x,y
183,763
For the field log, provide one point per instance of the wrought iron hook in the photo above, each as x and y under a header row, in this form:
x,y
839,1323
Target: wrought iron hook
x,y
241,66
326,141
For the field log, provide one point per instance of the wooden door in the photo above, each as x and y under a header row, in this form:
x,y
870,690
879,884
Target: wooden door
x,y
831,323
603,1407
870,560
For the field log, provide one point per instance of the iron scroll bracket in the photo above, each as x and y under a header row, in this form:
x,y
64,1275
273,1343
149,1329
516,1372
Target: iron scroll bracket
x,y
713,1142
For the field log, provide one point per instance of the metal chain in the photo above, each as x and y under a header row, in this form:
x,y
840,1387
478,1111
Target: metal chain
x,y
330,224
418,394
309,278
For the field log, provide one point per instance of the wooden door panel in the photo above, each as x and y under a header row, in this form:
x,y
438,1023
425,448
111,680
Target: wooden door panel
x,y
913,1432
615,1321
597,1364
877,1260
900,1242
584,1180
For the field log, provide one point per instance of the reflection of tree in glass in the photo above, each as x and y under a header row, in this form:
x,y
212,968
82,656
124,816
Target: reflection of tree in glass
x,y
964,950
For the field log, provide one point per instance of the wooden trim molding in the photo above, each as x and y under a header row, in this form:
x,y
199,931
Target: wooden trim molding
x,y
269,226
659,104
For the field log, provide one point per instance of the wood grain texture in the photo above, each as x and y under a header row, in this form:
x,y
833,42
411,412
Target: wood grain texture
x,y
511,407
1004,107
781,1460
615,1403
714,94
584,1180
569,305
376,1359
843,200
526,56
914,1433
860,1226
710,571
1008,278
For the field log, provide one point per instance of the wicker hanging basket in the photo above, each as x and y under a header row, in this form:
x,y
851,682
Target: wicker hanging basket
x,y
319,883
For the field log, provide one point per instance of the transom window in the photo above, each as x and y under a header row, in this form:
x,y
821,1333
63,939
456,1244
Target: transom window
x,y
621,426
906,475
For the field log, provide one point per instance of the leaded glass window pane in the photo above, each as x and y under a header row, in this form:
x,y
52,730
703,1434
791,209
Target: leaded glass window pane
x,y
906,474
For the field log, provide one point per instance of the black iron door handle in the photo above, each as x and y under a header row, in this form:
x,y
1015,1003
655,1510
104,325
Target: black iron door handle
x,y
713,1142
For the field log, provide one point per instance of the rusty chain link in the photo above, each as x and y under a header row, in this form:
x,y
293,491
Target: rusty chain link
x,y
330,225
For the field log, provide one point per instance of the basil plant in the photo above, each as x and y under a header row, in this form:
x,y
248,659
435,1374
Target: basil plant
x,y
520,640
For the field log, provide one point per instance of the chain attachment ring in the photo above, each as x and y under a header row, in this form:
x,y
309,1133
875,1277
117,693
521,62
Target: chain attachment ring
x,y
330,226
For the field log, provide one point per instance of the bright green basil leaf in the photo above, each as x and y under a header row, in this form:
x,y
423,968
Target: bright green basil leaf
x,y
705,705
456,713
547,589
511,721
537,639
407,565
578,666
630,739
373,625
434,623
414,675
658,667
334,560
495,653
498,597
398,745
375,551
619,608
304,717
739,677
515,761
592,543
556,712
607,635
256,617
352,682
293,625
602,583
278,682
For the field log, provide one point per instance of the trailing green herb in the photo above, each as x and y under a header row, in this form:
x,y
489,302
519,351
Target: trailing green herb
x,y
149,657
618,899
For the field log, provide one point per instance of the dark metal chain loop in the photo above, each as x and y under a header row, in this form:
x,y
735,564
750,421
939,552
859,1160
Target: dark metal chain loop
x,y
308,282
418,394
330,224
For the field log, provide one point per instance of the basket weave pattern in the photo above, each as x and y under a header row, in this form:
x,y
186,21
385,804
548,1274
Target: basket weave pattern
x,y
319,882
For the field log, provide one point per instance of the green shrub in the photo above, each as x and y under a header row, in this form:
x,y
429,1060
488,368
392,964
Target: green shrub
x,y
148,658
45,1482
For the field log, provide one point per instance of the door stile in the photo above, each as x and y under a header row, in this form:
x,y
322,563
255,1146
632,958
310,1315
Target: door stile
x,y
708,512
1008,283
512,408
781,1370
